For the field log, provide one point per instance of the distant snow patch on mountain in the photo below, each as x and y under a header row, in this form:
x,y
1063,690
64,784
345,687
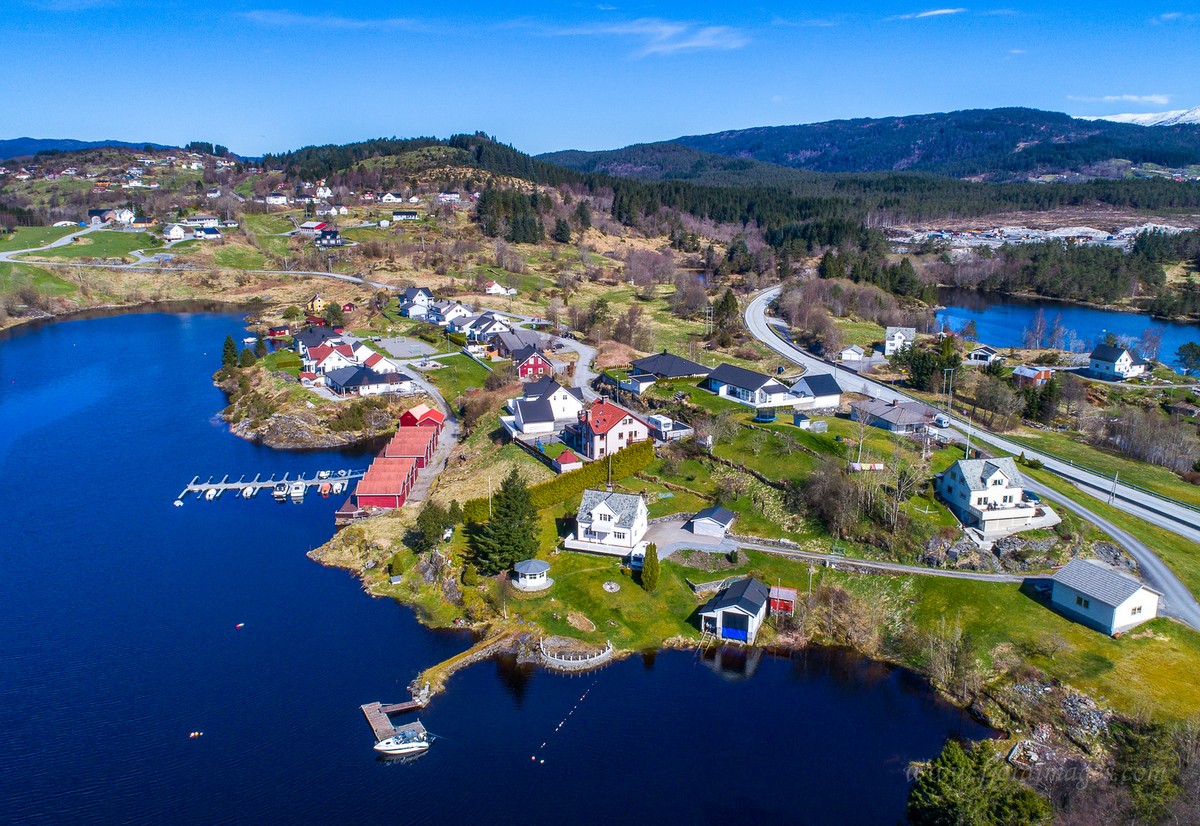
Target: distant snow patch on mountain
x,y
1172,118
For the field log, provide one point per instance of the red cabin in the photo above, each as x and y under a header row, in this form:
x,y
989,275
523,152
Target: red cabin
x,y
423,416
783,600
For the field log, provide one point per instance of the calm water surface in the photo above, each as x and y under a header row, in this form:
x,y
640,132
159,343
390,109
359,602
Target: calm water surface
x,y
118,638
1002,320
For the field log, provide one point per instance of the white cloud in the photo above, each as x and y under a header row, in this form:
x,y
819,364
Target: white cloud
x,y
666,37
1157,100
1016,51
920,15
1175,17
293,19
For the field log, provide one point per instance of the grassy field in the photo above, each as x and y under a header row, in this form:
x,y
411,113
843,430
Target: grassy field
x,y
287,361
271,223
15,276
28,237
1071,447
239,257
862,333
103,244
459,375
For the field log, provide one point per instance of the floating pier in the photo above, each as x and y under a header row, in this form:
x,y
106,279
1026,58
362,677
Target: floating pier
x,y
258,484
377,717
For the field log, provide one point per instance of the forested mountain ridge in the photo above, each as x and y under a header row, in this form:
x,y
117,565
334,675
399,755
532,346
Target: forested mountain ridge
x,y
998,144
21,147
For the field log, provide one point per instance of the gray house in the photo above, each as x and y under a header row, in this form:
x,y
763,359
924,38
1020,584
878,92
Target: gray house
x,y
712,521
897,417
1100,597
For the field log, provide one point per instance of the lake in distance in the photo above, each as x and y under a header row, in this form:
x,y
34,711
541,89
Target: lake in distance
x,y
118,638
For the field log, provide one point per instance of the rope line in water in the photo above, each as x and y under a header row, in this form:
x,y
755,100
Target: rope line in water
x,y
582,697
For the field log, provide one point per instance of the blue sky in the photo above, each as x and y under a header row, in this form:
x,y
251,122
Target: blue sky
x,y
263,75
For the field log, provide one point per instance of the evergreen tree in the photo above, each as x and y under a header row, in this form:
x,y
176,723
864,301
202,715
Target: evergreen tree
x,y
972,787
1189,357
229,355
583,215
725,313
335,315
562,231
432,522
246,359
260,347
650,568
292,313
508,535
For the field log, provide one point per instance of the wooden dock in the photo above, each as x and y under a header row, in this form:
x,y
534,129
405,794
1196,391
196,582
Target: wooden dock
x,y
380,724
266,485
377,716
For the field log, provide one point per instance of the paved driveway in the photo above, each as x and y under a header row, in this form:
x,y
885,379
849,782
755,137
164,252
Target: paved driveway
x,y
672,536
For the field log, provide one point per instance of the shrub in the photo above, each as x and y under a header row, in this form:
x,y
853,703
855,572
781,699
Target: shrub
x,y
650,569
458,338
470,577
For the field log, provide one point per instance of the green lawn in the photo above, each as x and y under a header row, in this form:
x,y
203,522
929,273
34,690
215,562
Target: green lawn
x,y
238,257
15,276
459,375
862,333
287,361
271,223
103,244
1071,447
29,237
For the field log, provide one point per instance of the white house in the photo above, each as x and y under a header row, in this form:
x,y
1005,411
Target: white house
x,y
546,406
1099,597
818,391
989,494
391,198
174,232
851,353
207,234
1116,363
896,339
324,192
748,387
445,312
418,295
736,612
201,220
607,428
276,199
496,288
982,356
610,523
312,228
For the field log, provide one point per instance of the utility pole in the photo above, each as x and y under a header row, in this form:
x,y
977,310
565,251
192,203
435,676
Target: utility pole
x,y
967,455
1112,496
948,387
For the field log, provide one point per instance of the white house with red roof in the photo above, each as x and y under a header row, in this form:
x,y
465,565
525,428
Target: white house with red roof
x,y
328,357
606,428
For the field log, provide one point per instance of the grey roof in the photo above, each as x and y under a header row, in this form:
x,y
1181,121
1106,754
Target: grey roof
x,y
747,594
1027,371
412,292
513,340
666,365
358,377
546,386
904,413
975,470
855,348
623,505
910,333
1098,581
1108,352
535,410
983,348
523,354
739,377
532,566
821,384
314,337
717,513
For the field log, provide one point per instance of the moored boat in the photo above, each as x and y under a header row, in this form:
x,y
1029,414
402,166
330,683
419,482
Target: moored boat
x,y
325,489
297,490
408,739
280,491
210,494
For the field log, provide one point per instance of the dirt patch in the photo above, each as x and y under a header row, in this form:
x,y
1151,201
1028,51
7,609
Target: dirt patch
x,y
580,622
703,560
614,354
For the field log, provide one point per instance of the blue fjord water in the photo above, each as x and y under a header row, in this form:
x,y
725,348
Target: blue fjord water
x,y
118,639
1001,321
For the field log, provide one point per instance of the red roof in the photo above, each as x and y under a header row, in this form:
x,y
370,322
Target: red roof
x,y
568,457
410,442
373,359
605,415
423,412
306,375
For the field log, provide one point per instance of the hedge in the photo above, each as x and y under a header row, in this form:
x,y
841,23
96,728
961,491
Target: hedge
x,y
458,338
625,462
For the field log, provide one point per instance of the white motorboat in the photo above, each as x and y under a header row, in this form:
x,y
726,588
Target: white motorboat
x,y
210,494
408,739
280,491
339,487
249,491
324,474
296,490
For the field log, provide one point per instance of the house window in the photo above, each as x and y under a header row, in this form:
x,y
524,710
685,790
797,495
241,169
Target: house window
x,y
1084,603
997,483
619,534
606,517
1137,610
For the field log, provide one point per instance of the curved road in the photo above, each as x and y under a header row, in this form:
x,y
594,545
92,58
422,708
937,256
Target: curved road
x,y
1178,601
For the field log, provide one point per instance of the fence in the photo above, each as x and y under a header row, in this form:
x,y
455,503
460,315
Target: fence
x,y
581,662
